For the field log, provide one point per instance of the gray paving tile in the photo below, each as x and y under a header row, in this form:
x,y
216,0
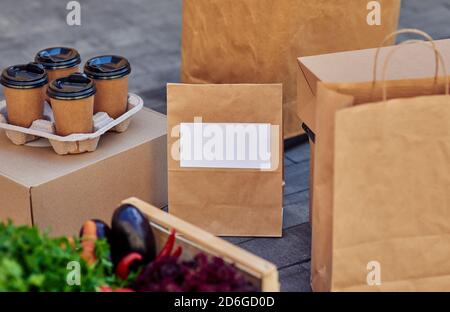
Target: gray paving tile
x,y
288,162
297,178
297,212
155,99
299,197
296,278
430,16
293,248
13,56
299,153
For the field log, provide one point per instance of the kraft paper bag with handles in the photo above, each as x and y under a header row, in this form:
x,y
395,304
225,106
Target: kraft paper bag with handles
x,y
381,185
234,198
259,41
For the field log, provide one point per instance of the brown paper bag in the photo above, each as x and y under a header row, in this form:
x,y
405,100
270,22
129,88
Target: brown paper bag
x,y
258,41
226,201
352,66
382,187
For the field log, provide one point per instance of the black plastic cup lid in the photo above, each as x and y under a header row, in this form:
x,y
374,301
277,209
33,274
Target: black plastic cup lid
x,y
74,87
58,58
107,67
24,76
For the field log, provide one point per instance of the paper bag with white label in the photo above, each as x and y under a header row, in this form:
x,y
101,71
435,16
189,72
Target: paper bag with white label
x,y
225,157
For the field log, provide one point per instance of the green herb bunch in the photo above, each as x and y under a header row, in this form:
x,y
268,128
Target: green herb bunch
x,y
33,261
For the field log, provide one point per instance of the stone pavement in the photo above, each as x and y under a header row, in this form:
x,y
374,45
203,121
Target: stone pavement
x,y
432,16
148,33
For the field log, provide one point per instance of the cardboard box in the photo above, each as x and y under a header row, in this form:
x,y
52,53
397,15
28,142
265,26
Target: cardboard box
x,y
414,61
38,187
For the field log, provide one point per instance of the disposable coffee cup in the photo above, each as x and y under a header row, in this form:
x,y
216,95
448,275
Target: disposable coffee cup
x,y
24,93
59,62
110,73
72,103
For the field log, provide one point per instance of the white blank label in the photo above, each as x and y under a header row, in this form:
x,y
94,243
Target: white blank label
x,y
225,145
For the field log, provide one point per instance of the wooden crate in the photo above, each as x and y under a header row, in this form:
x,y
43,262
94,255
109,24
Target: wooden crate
x,y
263,274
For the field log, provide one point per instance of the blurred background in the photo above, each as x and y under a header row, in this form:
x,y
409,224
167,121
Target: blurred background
x,y
147,32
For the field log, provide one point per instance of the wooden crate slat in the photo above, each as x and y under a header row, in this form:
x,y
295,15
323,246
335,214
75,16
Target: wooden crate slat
x,y
246,261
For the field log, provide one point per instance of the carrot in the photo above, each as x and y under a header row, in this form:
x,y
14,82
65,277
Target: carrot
x,y
88,242
71,241
69,244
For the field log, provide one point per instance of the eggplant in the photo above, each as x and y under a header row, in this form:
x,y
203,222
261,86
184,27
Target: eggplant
x,y
131,233
102,229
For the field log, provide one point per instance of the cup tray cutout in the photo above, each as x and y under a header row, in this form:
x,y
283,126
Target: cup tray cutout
x,y
76,143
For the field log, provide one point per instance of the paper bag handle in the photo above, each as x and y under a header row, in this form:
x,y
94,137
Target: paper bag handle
x,y
440,61
399,32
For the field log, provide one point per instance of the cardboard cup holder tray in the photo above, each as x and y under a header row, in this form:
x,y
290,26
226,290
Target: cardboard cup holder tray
x,y
74,143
